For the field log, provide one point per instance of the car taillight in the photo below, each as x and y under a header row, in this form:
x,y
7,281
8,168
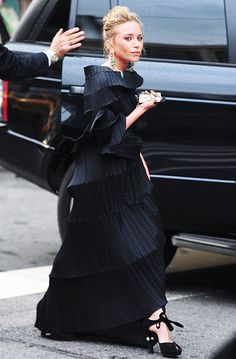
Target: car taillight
x,y
5,101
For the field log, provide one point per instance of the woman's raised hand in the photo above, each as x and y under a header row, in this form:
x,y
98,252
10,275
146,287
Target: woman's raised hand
x,y
140,110
149,104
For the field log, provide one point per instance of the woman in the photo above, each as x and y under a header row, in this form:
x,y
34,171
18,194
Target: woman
x,y
108,277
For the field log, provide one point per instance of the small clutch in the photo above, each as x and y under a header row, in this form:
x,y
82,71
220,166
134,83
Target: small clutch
x,y
144,96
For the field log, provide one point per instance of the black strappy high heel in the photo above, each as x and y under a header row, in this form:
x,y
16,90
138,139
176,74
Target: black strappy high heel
x,y
168,350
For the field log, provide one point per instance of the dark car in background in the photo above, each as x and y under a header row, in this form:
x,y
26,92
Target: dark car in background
x,y
190,141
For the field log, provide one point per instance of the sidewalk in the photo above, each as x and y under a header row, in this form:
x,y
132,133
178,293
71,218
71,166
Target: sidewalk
x,y
207,312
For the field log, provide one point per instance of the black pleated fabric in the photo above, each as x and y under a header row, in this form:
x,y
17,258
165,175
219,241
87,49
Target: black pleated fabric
x,y
109,270
104,86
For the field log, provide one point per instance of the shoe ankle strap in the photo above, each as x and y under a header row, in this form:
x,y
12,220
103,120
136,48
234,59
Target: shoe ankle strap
x,y
163,318
168,322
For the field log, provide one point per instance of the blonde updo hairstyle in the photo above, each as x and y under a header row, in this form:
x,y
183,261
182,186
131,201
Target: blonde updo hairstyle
x,y
116,16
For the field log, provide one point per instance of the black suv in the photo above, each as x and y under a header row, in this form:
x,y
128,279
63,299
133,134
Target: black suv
x,y
190,143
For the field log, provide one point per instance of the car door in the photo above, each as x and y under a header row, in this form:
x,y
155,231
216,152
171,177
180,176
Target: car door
x,y
32,106
190,142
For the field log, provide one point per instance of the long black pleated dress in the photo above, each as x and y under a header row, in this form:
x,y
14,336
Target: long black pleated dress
x,y
109,271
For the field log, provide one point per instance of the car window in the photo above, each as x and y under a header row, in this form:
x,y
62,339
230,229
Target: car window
x,y
192,30
89,19
59,18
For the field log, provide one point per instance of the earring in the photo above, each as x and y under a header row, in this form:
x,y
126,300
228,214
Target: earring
x,y
113,61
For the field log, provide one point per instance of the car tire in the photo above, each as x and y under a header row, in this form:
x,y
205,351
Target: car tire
x,y
64,203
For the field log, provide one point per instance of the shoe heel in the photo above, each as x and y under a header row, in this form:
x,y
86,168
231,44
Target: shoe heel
x,y
150,350
151,340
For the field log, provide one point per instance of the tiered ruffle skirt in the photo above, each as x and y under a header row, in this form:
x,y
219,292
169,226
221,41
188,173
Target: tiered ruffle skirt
x,y
109,270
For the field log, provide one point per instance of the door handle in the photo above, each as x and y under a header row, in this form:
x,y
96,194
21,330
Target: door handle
x,y
76,90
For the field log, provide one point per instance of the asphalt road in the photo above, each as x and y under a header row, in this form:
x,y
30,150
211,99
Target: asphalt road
x,y
203,299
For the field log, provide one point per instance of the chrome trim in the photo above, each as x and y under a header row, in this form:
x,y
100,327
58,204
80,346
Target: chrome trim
x,y
215,180
48,79
207,243
16,134
186,99
182,238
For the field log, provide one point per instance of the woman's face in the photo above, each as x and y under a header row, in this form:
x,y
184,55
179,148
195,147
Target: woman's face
x,y
128,42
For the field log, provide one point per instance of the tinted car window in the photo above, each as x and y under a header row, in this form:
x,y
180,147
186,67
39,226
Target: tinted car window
x,y
59,17
191,30
89,18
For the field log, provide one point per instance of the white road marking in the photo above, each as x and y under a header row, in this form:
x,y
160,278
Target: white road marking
x,y
28,281
22,282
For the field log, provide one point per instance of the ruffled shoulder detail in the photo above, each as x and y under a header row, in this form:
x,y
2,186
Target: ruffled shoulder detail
x,y
104,86
109,132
